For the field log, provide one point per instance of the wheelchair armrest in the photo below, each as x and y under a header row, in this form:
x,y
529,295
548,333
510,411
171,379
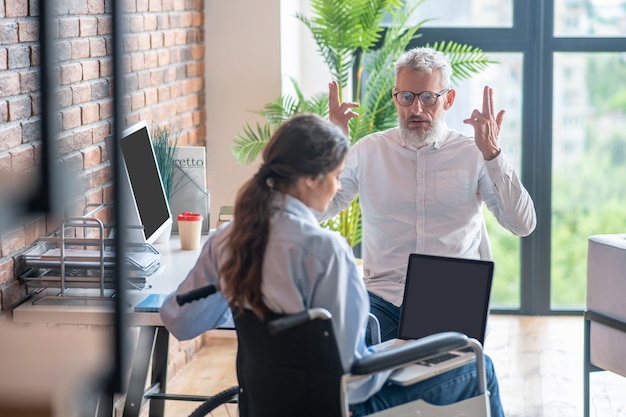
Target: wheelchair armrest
x,y
409,352
287,322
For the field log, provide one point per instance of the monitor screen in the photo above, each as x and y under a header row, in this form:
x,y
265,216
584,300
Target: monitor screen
x,y
148,206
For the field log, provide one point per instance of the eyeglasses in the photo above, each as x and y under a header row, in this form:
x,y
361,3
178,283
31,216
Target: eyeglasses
x,y
427,98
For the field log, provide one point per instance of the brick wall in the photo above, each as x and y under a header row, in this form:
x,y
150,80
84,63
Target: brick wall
x,y
164,66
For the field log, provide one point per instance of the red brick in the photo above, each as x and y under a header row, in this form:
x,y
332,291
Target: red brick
x,y
10,135
101,130
98,47
69,27
91,156
198,19
104,25
152,96
150,22
80,48
27,31
137,62
90,113
12,241
81,93
19,108
95,6
143,41
106,109
181,37
71,118
16,8
91,70
135,24
22,158
64,96
157,76
151,59
77,7
106,67
9,84
88,26
155,5
138,100
169,38
197,52
164,21
31,130
8,33
131,43
71,73
19,57
164,93
195,69
156,40
29,81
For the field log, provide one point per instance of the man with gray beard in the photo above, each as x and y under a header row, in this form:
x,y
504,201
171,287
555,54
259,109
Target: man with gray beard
x,y
422,185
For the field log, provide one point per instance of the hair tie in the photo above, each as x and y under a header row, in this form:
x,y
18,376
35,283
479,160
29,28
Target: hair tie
x,y
269,181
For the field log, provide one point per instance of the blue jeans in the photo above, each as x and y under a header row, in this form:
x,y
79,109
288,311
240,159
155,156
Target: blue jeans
x,y
388,316
449,387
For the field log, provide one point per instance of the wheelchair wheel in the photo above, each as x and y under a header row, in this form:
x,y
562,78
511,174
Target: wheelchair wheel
x,y
227,399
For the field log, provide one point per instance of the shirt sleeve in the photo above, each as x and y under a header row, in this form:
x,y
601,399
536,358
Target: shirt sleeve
x,y
506,197
194,318
349,187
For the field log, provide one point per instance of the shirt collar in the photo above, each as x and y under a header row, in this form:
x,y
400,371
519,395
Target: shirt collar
x,y
293,206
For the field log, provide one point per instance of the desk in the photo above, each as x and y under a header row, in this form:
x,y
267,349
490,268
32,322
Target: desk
x,y
152,342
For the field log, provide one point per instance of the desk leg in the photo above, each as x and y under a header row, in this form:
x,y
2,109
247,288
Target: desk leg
x,y
159,370
586,370
139,371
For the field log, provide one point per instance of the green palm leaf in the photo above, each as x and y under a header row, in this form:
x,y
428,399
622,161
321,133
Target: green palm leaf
x,y
466,60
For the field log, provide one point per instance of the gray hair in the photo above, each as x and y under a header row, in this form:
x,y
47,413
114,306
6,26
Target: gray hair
x,y
423,59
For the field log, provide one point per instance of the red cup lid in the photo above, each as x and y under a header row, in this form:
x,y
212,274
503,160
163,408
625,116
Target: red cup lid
x,y
189,216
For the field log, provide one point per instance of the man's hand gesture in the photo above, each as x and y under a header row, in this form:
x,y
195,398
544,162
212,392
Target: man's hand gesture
x,y
486,126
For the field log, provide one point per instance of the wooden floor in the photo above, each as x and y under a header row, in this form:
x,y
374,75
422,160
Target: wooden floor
x,y
538,360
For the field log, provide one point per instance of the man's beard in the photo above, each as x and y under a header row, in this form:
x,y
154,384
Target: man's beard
x,y
424,137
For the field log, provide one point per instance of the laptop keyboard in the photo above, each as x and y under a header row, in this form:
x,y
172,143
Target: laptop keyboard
x,y
438,359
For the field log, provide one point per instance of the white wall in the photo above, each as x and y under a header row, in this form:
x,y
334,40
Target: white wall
x,y
242,75
252,48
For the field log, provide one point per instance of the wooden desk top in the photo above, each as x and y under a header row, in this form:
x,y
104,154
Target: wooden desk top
x,y
176,264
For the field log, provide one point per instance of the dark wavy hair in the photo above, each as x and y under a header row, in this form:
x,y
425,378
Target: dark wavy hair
x,y
303,146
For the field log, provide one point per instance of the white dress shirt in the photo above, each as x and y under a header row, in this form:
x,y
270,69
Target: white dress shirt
x,y
426,200
305,266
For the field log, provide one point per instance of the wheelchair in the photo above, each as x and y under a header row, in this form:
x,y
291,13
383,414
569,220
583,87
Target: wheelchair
x,y
289,365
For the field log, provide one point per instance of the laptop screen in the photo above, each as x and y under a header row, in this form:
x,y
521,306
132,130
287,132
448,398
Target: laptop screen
x,y
445,294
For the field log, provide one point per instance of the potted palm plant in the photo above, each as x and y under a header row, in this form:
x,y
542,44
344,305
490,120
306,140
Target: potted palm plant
x,y
354,44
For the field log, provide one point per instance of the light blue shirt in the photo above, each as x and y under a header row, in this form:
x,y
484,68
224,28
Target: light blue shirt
x,y
427,200
305,266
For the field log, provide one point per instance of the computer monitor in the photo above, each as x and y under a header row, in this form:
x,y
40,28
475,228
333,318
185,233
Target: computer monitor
x,y
146,203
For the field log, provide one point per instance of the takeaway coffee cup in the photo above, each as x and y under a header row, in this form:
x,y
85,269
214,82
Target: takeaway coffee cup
x,y
189,228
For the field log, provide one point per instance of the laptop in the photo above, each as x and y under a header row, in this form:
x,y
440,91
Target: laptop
x,y
442,294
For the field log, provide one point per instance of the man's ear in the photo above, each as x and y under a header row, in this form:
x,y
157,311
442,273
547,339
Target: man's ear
x,y
450,95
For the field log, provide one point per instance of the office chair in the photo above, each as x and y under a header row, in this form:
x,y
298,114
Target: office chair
x,y
289,365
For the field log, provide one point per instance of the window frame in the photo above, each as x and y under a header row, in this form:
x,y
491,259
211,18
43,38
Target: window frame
x,y
532,35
